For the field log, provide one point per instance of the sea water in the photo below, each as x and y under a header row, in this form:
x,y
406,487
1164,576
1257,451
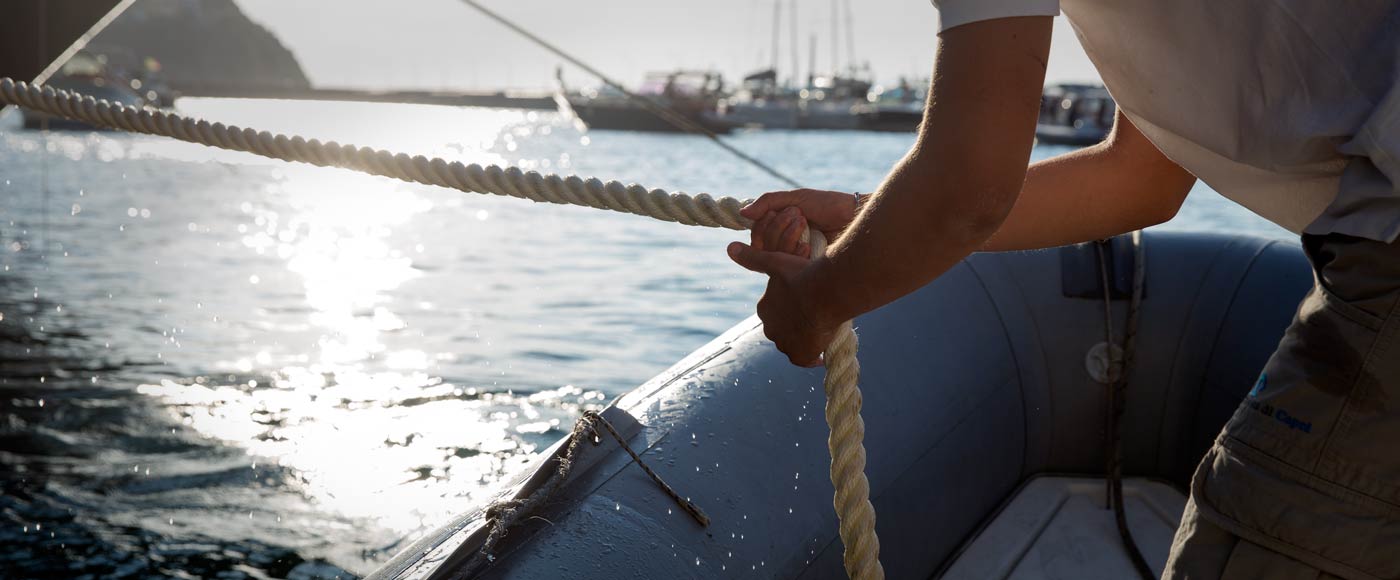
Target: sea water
x,y
212,363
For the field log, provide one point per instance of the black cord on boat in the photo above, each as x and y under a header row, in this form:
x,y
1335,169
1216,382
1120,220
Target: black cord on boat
x,y
1117,390
503,515
661,110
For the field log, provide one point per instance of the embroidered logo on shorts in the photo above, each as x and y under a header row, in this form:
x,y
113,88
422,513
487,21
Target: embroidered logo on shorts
x,y
1268,410
1259,385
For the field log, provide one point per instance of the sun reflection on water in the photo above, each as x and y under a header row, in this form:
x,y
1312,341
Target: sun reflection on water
x,y
365,428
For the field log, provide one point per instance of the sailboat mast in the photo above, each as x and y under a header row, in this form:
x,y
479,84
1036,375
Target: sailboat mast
x,y
777,19
792,15
835,66
850,39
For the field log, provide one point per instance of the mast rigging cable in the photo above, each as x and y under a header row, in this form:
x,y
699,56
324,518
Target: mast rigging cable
x,y
660,110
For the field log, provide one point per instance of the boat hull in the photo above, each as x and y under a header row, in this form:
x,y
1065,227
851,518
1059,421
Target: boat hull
x,y
627,117
892,120
972,386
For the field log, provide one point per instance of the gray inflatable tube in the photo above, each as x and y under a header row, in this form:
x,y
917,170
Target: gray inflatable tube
x,y
973,385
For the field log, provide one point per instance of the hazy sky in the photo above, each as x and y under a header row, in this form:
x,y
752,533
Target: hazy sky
x,y
447,44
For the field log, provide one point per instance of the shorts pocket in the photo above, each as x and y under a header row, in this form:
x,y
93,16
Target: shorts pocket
x,y
1250,561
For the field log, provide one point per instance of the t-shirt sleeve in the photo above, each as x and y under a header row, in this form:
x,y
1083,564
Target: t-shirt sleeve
x,y
959,12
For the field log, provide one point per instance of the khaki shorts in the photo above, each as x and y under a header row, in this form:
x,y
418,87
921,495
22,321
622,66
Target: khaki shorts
x,y
1304,481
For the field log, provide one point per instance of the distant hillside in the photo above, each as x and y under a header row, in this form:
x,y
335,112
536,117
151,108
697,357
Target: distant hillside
x,y
201,43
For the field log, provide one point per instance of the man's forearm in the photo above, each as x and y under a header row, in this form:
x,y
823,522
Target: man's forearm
x,y
959,182
906,235
1117,186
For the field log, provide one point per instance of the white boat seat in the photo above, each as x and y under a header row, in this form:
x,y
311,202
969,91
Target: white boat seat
x,y
1058,528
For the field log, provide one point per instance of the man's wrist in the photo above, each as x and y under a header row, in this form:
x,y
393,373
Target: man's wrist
x,y
823,300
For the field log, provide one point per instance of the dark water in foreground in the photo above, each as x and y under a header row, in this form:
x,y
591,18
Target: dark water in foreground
x,y
217,366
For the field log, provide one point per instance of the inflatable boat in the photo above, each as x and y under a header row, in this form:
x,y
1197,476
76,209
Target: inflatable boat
x,y
985,431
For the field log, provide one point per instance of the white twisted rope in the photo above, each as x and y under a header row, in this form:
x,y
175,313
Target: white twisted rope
x,y
846,443
847,447
698,210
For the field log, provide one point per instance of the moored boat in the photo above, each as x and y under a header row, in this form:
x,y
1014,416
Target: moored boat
x,y
761,102
1073,114
979,400
899,108
691,95
831,102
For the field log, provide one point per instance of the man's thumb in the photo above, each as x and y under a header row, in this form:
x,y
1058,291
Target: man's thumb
x,y
746,256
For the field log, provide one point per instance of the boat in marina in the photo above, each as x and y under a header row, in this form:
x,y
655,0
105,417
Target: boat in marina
x,y
692,95
762,103
985,431
898,109
1074,114
833,101
986,397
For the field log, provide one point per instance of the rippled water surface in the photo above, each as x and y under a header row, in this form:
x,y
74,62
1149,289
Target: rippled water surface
x,y
213,364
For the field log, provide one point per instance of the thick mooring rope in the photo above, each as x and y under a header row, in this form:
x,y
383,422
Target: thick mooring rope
x,y
843,397
698,210
847,446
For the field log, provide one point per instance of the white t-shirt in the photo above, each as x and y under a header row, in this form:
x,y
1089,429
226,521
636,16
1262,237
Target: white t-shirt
x,y
1288,107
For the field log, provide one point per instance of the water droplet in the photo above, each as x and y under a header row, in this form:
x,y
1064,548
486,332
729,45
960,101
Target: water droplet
x,y
131,212
697,560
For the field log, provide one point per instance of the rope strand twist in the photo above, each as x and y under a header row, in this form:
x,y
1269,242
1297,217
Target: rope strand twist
x,y
846,443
